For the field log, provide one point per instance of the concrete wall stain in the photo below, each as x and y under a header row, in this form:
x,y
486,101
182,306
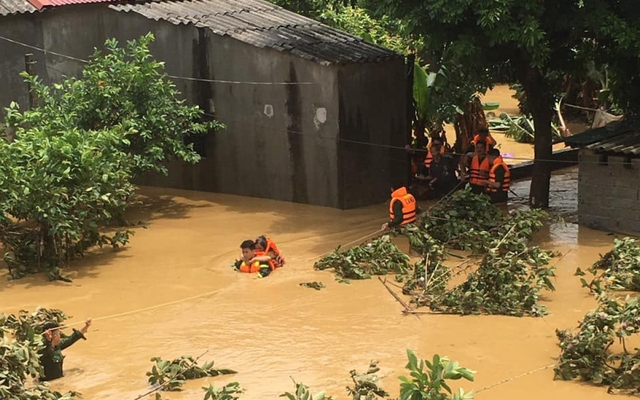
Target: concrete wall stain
x,y
293,106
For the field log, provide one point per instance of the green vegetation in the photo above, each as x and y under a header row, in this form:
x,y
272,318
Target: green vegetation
x,y
171,375
66,177
591,354
20,340
507,275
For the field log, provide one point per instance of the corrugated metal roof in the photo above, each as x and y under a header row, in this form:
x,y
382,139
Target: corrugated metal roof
x,y
8,7
616,137
626,143
263,24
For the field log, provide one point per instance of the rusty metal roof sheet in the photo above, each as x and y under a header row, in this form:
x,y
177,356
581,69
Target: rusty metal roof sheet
x,y
263,24
8,7
621,137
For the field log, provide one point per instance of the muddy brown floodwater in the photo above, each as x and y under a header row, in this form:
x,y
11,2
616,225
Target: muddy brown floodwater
x,y
271,329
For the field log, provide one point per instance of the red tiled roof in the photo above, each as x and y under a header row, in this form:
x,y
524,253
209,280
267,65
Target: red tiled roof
x,y
40,4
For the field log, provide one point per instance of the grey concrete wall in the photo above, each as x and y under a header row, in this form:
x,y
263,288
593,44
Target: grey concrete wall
x,y
609,194
373,130
281,141
26,29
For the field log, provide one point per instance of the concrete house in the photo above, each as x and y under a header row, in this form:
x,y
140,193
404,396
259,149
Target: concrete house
x,y
313,115
609,177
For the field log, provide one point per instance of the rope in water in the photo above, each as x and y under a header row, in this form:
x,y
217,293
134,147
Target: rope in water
x,y
502,382
122,314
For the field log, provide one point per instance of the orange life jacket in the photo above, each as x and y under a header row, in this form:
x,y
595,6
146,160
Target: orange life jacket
x,y
276,262
408,205
429,157
254,267
479,171
497,163
489,140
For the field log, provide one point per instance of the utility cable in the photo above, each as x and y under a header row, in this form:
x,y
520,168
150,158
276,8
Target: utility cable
x,y
47,52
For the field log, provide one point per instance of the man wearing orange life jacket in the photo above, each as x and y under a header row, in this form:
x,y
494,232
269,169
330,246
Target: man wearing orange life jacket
x,y
402,208
247,262
267,251
478,169
422,168
485,136
499,181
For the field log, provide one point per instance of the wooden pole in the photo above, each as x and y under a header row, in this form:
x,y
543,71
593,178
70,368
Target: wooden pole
x,y
29,65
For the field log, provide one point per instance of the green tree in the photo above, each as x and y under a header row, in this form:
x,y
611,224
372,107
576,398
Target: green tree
x,y
67,174
532,42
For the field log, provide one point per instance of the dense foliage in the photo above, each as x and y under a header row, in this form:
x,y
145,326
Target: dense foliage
x,y
507,274
591,355
20,340
534,43
377,258
67,174
619,269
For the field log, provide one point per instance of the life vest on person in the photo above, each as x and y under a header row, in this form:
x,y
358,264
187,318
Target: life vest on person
x,y
506,185
479,171
429,157
408,205
278,261
489,140
250,268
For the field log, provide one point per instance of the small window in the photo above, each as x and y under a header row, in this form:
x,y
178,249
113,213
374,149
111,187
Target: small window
x,y
604,159
627,162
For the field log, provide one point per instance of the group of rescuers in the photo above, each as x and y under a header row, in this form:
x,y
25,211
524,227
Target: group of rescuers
x,y
483,169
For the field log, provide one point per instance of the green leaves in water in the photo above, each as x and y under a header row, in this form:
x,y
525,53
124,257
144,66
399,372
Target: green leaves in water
x,y
313,285
619,269
231,391
365,386
302,392
429,379
171,375
380,257
589,354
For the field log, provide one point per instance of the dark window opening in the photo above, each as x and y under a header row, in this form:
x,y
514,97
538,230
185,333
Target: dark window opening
x,y
627,162
604,159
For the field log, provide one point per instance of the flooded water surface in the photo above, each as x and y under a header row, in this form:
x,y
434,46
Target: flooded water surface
x,y
270,329
172,292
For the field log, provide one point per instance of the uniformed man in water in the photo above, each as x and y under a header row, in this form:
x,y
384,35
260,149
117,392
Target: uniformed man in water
x,y
51,357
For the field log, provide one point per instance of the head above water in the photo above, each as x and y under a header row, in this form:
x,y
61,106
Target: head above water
x,y
436,141
261,243
493,154
248,247
397,185
51,332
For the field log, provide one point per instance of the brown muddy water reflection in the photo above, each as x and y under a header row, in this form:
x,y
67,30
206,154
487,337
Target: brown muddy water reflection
x,y
271,329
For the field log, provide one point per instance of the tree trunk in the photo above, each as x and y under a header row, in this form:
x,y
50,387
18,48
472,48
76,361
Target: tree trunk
x,y
541,103
467,124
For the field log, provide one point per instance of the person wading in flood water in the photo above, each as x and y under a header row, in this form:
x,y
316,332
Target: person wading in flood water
x,y
51,357
402,209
